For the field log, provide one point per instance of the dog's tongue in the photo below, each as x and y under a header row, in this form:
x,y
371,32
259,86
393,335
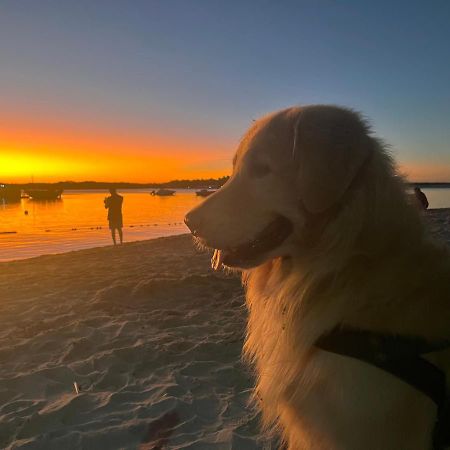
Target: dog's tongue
x,y
217,259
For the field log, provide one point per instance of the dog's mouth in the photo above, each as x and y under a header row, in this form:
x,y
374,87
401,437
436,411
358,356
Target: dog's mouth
x,y
248,254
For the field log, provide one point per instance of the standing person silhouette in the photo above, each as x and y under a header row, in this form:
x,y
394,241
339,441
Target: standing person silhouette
x,y
422,201
113,204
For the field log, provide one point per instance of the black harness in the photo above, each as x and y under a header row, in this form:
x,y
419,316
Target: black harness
x,y
403,358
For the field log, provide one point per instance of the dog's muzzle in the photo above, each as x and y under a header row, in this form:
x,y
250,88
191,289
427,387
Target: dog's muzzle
x,y
250,253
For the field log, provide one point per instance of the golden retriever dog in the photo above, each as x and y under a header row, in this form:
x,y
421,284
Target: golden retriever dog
x,y
317,219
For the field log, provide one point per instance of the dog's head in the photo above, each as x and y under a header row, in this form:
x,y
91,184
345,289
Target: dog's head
x,y
290,166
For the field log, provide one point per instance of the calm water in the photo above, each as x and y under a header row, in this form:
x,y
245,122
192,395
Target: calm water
x,y
79,220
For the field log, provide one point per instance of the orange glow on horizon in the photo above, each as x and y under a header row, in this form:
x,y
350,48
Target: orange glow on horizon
x,y
59,152
422,172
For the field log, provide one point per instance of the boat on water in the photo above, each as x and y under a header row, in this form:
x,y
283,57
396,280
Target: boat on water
x,y
10,194
205,192
44,194
163,192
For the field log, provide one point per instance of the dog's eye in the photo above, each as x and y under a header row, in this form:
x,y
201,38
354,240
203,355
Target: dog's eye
x,y
259,170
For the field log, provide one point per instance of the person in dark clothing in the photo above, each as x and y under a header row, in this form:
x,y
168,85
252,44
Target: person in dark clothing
x,y
421,198
113,204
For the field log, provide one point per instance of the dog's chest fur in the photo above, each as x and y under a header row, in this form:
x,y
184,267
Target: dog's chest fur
x,y
318,399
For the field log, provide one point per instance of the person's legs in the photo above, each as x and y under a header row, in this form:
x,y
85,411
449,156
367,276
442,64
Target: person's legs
x,y
120,235
113,234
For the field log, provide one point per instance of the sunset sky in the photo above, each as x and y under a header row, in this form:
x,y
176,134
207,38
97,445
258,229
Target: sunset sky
x,y
156,90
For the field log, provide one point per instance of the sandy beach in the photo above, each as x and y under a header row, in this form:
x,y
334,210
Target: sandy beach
x,y
146,333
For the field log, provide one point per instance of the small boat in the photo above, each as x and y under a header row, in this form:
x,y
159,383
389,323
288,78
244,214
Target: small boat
x,y
204,192
44,194
163,192
10,194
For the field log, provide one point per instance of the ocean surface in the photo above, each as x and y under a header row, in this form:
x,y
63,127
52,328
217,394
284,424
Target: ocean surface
x,y
30,228
79,221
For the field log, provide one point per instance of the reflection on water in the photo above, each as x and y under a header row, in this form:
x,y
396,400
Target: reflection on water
x,y
79,220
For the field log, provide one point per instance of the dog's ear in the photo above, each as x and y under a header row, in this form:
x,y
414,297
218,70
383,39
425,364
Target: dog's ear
x,y
330,146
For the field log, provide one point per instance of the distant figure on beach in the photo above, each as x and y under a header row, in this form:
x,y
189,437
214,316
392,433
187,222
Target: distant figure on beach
x,y
421,198
113,204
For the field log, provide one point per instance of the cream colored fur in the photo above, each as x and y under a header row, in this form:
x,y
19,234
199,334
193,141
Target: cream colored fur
x,y
373,267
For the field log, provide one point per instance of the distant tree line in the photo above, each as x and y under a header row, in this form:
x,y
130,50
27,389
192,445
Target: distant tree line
x,y
213,183
202,183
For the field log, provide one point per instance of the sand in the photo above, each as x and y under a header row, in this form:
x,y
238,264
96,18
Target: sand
x,y
148,336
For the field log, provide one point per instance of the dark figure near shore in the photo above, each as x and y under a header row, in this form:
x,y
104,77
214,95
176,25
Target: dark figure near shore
x,y
422,200
113,204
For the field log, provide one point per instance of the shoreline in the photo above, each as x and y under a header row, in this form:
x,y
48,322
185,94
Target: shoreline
x,y
88,249
435,215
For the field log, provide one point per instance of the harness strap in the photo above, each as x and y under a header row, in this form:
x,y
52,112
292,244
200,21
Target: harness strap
x,y
402,357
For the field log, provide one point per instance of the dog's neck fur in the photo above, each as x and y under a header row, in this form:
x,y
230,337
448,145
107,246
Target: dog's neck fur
x,y
370,269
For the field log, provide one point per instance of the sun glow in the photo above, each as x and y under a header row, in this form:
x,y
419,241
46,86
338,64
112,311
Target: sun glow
x,y
50,150
52,153
23,165
18,166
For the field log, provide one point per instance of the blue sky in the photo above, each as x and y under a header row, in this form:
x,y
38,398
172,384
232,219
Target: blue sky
x,y
204,69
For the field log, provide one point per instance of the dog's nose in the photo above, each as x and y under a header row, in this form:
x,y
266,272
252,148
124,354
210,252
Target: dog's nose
x,y
192,223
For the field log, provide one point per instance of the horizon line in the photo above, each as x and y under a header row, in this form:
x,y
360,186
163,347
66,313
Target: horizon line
x,y
166,182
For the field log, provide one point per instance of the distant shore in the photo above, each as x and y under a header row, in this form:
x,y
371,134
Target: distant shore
x,y
212,183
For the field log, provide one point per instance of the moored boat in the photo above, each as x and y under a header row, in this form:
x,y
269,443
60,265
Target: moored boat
x,y
10,194
204,192
163,192
44,194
